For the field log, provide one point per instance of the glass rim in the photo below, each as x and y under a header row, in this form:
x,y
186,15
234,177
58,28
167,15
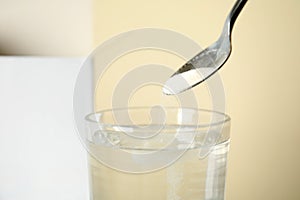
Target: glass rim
x,y
226,119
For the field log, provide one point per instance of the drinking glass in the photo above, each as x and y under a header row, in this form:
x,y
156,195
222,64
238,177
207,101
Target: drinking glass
x,y
161,153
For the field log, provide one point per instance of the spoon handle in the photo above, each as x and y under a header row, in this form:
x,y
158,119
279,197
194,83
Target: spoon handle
x,y
235,11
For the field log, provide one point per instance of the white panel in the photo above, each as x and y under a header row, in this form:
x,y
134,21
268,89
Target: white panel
x,y
41,156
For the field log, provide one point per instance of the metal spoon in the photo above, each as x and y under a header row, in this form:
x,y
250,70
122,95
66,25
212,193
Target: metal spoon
x,y
208,61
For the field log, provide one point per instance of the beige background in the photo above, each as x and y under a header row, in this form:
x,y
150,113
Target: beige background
x,y
260,78
47,28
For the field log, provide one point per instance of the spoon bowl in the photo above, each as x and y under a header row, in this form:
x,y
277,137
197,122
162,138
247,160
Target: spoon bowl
x,y
208,61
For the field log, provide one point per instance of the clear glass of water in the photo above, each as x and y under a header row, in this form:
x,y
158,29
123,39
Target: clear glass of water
x,y
157,153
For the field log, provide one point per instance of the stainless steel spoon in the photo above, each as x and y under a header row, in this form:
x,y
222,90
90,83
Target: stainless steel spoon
x,y
208,61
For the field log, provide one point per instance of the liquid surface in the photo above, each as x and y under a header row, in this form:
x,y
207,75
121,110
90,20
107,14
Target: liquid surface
x,y
188,178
